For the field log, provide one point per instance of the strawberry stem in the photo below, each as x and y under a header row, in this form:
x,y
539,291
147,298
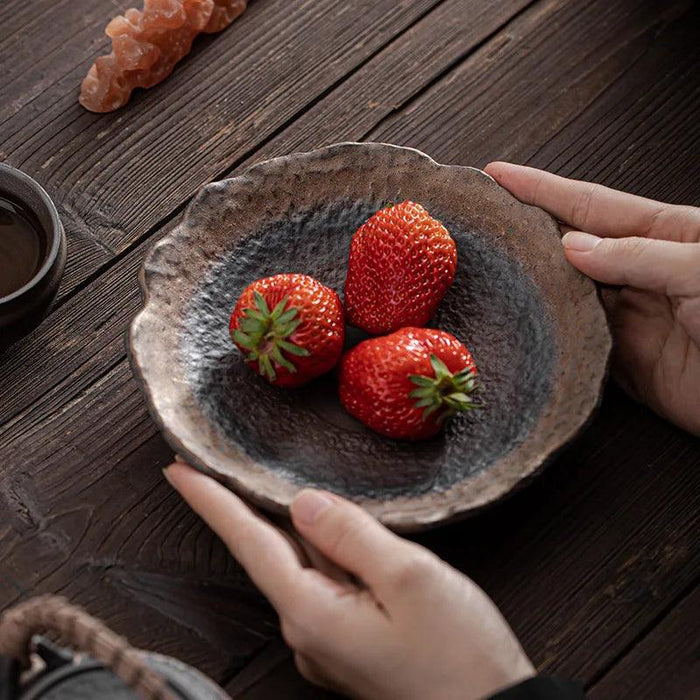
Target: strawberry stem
x,y
265,334
446,393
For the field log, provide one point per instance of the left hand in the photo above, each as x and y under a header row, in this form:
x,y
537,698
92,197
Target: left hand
x,y
367,613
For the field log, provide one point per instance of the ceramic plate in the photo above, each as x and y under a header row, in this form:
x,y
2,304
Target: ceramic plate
x,y
534,324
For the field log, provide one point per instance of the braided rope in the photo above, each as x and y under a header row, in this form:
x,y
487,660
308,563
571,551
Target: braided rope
x,y
73,627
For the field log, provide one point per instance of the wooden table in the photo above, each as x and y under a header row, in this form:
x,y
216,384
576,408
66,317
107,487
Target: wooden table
x,y
596,564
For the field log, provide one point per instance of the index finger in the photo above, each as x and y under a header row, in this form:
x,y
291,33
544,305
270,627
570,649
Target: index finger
x,y
349,536
259,547
585,206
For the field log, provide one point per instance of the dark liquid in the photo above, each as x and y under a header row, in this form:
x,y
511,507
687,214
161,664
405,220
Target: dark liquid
x,y
22,248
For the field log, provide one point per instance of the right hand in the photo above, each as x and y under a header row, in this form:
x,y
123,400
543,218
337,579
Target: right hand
x,y
366,612
650,252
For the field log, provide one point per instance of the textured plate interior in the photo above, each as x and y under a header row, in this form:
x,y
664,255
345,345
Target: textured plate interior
x,y
535,326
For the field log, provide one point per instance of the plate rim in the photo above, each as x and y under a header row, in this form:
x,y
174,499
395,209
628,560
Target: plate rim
x,y
400,518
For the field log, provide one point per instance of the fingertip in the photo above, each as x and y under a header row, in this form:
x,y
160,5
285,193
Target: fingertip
x,y
522,181
579,242
187,480
498,168
581,261
577,261
174,472
308,505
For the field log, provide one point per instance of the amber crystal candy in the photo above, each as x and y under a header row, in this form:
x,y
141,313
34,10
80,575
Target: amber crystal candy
x,y
146,45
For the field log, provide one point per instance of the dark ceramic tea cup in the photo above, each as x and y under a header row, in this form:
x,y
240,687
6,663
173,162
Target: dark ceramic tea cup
x,y
31,269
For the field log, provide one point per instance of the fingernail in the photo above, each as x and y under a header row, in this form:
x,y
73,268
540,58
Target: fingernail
x,y
308,505
165,474
579,241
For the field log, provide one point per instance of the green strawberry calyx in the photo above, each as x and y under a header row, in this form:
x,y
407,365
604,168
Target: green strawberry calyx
x,y
445,394
264,335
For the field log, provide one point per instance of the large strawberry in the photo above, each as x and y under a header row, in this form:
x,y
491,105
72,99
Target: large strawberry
x,y
290,328
402,261
406,384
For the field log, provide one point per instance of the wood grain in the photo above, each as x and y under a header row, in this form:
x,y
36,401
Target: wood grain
x,y
619,67
271,674
282,680
598,547
361,99
584,560
57,38
88,520
588,560
473,146
121,173
71,328
665,664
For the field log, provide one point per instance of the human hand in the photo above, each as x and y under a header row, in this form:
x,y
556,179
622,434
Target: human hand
x,y
367,613
651,251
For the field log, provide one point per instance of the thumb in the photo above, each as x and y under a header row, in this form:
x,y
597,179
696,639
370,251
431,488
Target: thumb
x,y
350,537
665,267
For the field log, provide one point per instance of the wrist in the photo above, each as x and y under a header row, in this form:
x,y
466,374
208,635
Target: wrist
x,y
505,671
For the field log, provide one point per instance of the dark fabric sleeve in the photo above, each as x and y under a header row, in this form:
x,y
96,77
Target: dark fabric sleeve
x,y
542,688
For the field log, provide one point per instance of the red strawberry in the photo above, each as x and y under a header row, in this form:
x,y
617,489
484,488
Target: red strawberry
x,y
290,328
402,261
405,385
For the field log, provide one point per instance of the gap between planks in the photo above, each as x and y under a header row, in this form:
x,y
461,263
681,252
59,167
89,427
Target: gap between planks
x,y
250,153
653,624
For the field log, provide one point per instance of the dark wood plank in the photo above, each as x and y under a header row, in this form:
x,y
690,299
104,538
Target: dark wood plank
x,y
665,664
56,38
438,39
94,520
22,365
283,681
119,174
584,560
576,87
58,41
86,252
275,653
272,674
649,154
443,39
619,499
